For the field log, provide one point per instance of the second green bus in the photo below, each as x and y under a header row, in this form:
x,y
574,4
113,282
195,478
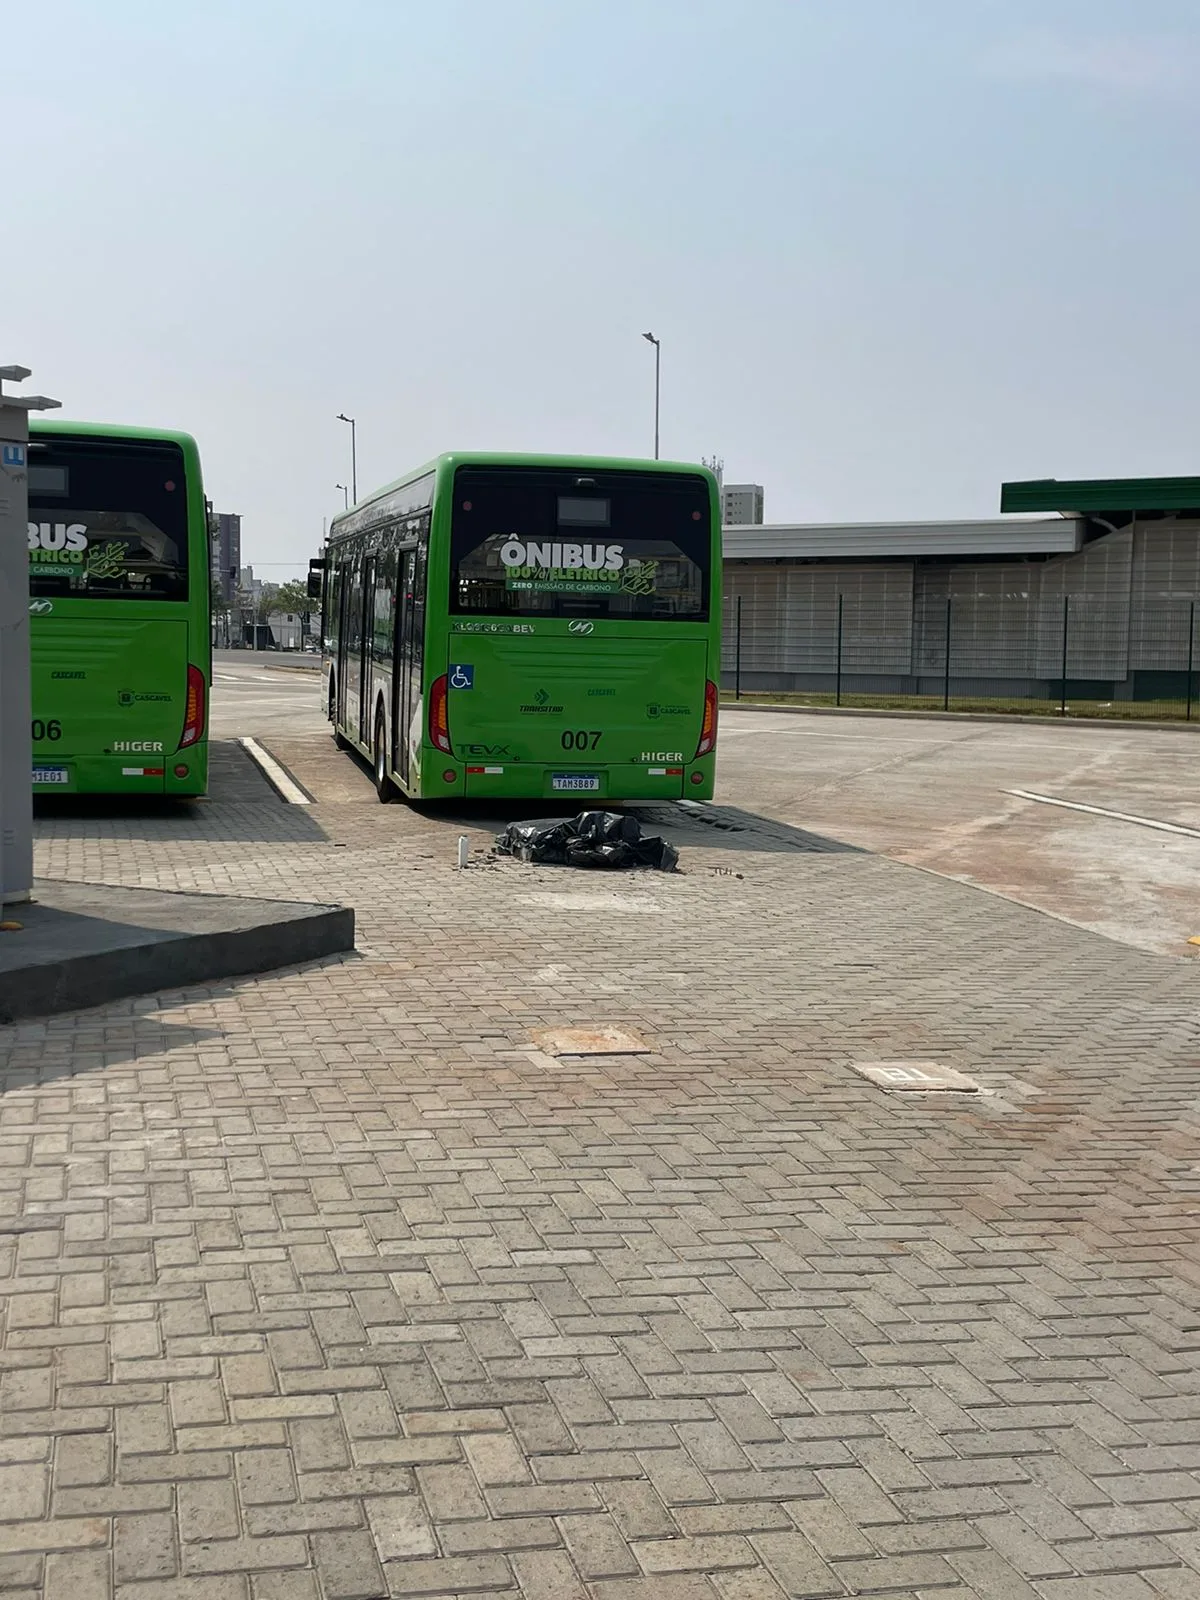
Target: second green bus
x,y
524,627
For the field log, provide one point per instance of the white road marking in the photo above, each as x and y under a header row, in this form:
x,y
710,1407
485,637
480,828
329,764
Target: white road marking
x,y
274,773
1101,811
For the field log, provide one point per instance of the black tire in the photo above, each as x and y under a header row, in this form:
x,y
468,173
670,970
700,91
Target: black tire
x,y
383,784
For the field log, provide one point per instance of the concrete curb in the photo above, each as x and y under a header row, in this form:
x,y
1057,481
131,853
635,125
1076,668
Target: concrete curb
x,y
112,960
963,716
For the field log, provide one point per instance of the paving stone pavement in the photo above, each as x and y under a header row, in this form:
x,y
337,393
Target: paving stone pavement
x,y
329,1285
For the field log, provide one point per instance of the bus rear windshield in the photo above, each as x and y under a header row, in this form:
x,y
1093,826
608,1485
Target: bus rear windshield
x,y
107,520
531,542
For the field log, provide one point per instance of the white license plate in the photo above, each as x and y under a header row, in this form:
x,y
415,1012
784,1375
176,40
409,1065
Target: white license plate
x,y
51,775
573,781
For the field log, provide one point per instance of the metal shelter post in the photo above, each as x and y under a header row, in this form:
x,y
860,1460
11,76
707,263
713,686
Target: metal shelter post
x,y
16,749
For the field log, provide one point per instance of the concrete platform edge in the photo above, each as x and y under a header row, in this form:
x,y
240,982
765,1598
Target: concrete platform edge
x,y
77,983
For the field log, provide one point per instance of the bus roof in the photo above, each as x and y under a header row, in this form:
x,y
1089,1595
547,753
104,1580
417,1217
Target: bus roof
x,y
497,458
111,430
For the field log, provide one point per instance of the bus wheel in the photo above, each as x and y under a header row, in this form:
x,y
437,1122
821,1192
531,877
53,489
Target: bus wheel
x,y
383,784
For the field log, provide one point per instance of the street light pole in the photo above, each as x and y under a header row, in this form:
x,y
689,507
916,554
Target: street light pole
x,y
342,417
16,747
649,337
345,495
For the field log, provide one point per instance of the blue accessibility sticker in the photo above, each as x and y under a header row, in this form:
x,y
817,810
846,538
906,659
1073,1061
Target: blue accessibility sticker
x,y
462,677
13,455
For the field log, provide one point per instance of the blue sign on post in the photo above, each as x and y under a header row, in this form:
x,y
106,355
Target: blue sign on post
x,y
462,677
14,455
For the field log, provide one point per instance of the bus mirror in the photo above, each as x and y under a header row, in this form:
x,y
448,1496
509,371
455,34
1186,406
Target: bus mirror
x,y
314,585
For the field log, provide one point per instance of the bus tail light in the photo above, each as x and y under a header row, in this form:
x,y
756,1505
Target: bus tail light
x,y
193,717
439,720
708,728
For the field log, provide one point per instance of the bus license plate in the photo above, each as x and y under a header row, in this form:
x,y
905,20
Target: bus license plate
x,y
51,775
574,781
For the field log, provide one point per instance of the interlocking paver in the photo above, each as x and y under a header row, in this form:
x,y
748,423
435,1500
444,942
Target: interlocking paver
x,y
371,1298
78,1575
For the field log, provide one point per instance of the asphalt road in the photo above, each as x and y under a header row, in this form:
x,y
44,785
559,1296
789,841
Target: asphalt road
x,y
256,694
933,793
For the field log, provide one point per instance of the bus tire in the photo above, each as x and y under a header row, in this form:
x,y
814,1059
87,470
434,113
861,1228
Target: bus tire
x,y
383,784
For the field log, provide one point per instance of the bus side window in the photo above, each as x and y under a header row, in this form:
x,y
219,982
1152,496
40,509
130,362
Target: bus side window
x,y
385,588
420,569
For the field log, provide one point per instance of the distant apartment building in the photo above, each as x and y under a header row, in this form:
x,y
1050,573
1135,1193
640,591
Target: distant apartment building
x,y
225,543
741,505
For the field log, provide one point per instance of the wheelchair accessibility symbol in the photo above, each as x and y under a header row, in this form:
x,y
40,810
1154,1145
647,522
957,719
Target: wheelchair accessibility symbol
x,y
462,677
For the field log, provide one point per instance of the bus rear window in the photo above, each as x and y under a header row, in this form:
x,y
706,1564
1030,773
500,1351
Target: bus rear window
x,y
107,520
532,542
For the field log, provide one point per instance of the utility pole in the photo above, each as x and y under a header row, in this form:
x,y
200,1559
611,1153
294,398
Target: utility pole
x,y
16,748
342,417
657,343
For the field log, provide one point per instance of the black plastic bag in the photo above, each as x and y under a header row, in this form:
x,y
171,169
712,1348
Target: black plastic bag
x,y
609,840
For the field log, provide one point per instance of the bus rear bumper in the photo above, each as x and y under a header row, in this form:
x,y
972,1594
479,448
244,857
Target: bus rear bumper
x,y
589,786
178,775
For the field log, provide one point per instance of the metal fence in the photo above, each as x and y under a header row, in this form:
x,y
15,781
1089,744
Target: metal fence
x,y
1025,650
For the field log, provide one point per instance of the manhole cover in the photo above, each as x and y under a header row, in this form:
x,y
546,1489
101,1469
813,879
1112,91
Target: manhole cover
x,y
922,1076
590,1042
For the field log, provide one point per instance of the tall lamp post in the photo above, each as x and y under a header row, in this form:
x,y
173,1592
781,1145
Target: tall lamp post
x,y
342,417
16,748
649,337
345,495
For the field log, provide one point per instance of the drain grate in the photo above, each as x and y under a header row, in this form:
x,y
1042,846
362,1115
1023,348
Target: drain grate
x,y
590,1042
922,1077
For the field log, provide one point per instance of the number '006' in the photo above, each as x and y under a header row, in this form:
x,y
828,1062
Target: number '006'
x,y
40,731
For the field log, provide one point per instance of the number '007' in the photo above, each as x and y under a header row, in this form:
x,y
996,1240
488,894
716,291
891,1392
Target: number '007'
x,y
40,731
583,739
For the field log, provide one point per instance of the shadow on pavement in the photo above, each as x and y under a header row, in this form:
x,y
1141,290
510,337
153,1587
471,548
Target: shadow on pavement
x,y
710,827
240,806
42,1050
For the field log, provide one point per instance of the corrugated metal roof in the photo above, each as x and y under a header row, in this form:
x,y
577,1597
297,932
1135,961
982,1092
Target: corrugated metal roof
x,y
856,541
1101,494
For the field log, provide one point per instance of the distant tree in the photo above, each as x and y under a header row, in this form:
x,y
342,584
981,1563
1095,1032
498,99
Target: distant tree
x,y
292,598
266,602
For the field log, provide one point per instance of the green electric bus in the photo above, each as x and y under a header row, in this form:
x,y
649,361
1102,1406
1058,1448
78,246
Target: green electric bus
x,y
524,627
119,611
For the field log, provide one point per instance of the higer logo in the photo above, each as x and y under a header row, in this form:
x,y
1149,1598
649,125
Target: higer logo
x,y
144,746
661,755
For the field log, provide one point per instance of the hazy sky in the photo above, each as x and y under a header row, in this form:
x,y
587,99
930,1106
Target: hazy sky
x,y
896,250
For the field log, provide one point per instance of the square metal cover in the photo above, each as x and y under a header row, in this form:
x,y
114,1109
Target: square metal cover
x,y
601,1041
924,1077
